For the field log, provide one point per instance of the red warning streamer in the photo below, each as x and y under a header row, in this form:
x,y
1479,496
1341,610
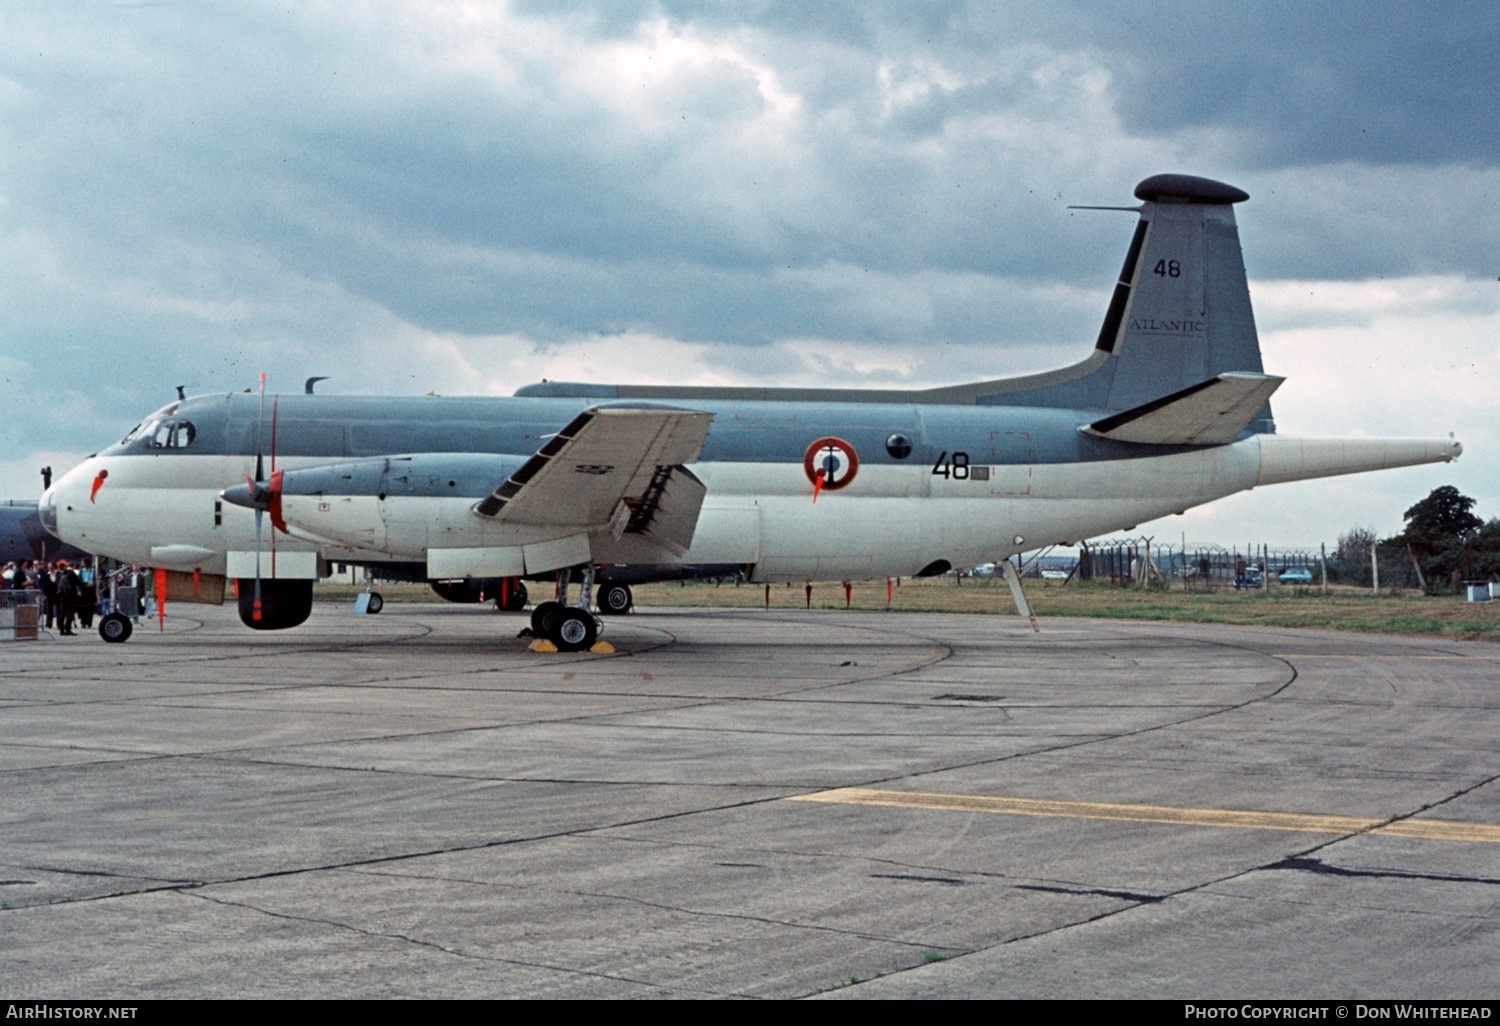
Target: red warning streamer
x,y
161,599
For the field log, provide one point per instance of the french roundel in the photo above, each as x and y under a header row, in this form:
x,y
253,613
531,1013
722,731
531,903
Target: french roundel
x,y
835,459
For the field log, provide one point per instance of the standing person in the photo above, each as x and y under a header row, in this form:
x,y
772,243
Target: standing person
x,y
69,592
88,594
102,590
47,581
140,579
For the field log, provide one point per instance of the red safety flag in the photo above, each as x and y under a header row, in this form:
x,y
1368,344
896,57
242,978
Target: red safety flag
x,y
161,599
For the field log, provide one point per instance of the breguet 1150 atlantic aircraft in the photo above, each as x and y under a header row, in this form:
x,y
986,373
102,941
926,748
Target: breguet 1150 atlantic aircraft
x,y
614,484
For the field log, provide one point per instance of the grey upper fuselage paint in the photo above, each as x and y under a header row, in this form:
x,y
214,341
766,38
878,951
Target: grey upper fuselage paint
x,y
344,427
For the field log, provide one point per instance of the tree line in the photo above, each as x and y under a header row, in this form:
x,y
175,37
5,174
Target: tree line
x,y
1443,545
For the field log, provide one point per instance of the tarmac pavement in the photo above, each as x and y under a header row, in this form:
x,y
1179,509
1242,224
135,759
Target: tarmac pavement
x,y
748,804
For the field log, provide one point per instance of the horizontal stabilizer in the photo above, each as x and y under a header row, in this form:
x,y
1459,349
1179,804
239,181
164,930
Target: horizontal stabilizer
x,y
1213,412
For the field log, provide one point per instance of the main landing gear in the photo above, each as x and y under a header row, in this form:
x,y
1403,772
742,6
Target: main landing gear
x,y
511,597
569,628
615,599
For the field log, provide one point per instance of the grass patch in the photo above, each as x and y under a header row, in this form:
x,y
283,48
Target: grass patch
x,y
1346,609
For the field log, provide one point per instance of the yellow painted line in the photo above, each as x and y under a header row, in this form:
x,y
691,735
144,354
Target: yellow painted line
x,y
1443,830
1427,829
1356,655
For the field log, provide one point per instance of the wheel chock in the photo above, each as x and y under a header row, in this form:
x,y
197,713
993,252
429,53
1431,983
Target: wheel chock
x,y
543,645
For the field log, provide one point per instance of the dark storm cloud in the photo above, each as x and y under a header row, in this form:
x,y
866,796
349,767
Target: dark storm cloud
x,y
1381,83
197,191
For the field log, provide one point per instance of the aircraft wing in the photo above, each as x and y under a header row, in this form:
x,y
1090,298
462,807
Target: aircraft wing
x,y
1213,412
612,467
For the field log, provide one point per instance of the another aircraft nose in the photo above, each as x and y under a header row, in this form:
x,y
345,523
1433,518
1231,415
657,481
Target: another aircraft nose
x,y
46,509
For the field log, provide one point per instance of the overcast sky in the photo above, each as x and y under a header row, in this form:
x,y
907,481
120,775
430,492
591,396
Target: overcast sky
x,y
464,198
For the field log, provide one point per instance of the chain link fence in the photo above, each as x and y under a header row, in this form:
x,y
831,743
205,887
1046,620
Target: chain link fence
x,y
1141,563
1203,567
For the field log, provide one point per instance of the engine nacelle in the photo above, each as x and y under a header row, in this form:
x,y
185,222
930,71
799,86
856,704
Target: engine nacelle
x,y
283,603
466,590
383,503
507,594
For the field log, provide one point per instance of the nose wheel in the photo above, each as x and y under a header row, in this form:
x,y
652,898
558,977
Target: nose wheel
x,y
115,627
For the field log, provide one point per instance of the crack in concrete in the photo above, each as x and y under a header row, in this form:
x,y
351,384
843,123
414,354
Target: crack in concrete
x,y
1096,892
378,860
1318,867
763,920
443,948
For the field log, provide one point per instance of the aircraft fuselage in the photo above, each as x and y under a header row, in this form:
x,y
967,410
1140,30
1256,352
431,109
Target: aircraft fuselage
x,y
998,480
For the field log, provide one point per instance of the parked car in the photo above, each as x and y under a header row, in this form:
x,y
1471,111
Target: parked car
x,y
1249,578
1295,575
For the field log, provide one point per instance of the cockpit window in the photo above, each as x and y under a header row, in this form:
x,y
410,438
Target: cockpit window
x,y
170,434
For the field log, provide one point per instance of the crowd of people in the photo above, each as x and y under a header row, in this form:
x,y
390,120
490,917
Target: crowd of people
x,y
71,596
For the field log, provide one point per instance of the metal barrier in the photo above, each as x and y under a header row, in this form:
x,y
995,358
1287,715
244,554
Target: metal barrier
x,y
20,614
126,599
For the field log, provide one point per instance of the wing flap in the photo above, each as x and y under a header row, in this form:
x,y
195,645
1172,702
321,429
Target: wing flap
x,y
1212,412
613,468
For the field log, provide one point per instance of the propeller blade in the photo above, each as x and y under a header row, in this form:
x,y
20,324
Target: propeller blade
x,y
255,607
273,505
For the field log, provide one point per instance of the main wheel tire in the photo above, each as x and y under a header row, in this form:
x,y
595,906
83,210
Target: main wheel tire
x,y
542,617
115,628
376,603
574,630
615,599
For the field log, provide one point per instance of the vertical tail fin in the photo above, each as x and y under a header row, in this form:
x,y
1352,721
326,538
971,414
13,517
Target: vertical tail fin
x,y
1180,313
